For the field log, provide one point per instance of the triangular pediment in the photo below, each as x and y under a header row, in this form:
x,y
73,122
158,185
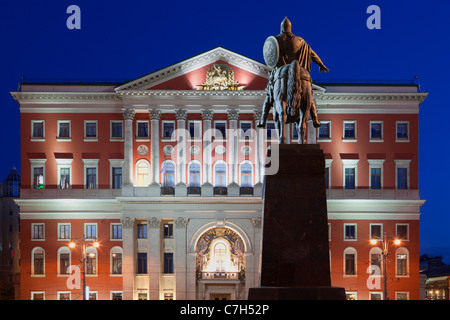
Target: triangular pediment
x,y
191,74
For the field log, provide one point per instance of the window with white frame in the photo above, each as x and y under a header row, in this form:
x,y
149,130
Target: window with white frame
x,y
168,174
194,174
37,130
142,130
402,131
64,231
63,261
37,295
142,173
38,231
324,131
402,176
90,231
349,131
90,173
350,231
402,296
245,132
376,131
376,296
220,174
90,130
64,295
91,261
116,130
402,231
195,130
328,173
63,133
402,261
116,261
168,128
375,258
64,173
376,173
115,180
350,170
38,173
376,230
220,132
271,131
116,295
350,262
246,178
37,262
116,231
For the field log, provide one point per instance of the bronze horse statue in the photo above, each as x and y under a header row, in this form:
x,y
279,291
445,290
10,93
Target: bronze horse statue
x,y
289,92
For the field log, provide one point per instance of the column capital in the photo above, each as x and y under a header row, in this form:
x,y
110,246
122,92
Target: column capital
x,y
257,112
181,114
256,223
181,223
155,114
233,114
127,222
207,114
154,223
128,113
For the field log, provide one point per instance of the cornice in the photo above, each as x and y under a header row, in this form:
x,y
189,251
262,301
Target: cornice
x,y
65,97
358,98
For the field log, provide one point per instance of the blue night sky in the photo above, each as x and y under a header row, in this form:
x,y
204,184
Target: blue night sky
x,y
123,40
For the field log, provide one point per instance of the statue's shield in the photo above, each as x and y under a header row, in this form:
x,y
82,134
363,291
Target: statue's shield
x,y
271,52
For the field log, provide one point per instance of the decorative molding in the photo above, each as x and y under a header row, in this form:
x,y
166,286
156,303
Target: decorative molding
x,y
257,113
155,114
257,223
181,223
207,114
128,113
127,222
181,114
233,114
66,97
154,223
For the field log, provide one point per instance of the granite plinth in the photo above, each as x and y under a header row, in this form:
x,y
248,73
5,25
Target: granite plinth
x,y
295,252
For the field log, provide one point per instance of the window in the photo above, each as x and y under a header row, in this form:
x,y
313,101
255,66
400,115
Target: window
x,y
38,178
271,131
116,295
350,172
376,131
142,130
116,260
220,130
168,171
350,231
90,130
195,130
401,296
246,130
37,296
64,129
91,260
402,174
168,262
402,134
402,231
376,260
246,175
376,296
64,295
37,130
220,174
64,260
90,231
194,174
116,130
142,296
116,178
37,255
349,262
294,131
37,231
64,231
142,263
402,262
376,174
142,173
116,231
168,127
349,130
324,131
376,231
142,231
168,230
64,178
91,178
327,177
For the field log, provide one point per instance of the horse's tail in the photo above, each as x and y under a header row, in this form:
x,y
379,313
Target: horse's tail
x,y
294,88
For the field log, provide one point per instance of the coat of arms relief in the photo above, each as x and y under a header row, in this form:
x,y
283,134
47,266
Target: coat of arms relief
x,y
220,77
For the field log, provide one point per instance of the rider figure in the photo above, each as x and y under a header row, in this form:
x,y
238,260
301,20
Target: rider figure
x,y
293,48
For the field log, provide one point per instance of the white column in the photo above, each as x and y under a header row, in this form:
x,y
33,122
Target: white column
x,y
207,116
232,148
128,257
127,174
258,146
155,115
181,115
180,260
154,257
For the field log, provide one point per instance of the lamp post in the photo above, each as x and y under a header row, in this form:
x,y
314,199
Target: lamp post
x,y
385,241
82,244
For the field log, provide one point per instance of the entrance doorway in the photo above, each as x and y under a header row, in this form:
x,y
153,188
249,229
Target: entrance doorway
x,y
220,296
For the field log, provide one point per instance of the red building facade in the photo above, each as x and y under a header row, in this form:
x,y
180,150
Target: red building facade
x,y
177,207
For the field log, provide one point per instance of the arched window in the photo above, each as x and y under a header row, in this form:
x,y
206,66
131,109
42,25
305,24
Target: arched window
x,y
246,175
38,258
402,262
91,260
220,173
194,174
116,260
63,260
142,173
168,171
376,260
350,262
220,254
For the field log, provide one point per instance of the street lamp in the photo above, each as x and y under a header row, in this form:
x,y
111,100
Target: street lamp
x,y
82,244
385,240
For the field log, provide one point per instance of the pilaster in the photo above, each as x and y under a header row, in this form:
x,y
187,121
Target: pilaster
x,y
181,258
129,257
154,257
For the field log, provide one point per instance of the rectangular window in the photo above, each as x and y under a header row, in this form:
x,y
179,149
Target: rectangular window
x,y
64,178
38,231
402,178
246,130
90,130
350,264
64,231
117,130
168,230
402,231
142,231
271,132
63,129
116,263
324,130
168,127
142,130
195,129
168,262
294,131
38,262
401,264
375,178
91,263
37,129
349,130
349,178
90,231
350,231
402,131
117,178
91,178
142,263
116,231
327,177
375,296
38,178
376,130
37,296
221,130
63,295
375,231
116,295
64,263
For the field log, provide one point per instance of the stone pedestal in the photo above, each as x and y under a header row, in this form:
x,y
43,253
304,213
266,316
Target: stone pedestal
x,y
295,262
